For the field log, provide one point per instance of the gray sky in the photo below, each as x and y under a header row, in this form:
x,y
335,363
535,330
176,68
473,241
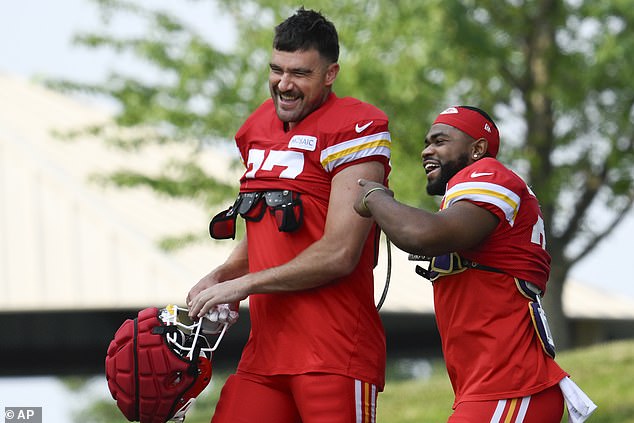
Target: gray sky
x,y
37,36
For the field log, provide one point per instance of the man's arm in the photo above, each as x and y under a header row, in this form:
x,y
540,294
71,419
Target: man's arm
x,y
334,255
459,227
236,265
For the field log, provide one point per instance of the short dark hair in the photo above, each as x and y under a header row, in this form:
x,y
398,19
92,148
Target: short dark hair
x,y
305,30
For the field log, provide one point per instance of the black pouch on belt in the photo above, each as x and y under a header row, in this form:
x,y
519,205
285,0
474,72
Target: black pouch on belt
x,y
538,316
285,205
287,208
223,225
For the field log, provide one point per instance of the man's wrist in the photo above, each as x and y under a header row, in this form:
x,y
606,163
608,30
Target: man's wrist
x,y
367,194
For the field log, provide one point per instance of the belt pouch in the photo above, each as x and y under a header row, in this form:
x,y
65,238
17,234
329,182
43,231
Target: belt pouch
x,y
538,316
287,209
223,225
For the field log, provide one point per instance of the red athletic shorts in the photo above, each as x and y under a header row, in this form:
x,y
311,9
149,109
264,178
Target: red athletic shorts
x,y
307,398
546,406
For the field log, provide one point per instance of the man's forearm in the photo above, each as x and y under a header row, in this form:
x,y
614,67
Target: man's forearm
x,y
236,265
320,263
410,229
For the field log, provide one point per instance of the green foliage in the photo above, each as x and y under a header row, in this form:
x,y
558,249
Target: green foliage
x,y
561,128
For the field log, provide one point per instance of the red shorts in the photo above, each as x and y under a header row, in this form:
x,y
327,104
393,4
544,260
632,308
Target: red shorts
x,y
307,398
546,406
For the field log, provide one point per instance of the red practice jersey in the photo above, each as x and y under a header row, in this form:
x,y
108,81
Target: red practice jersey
x,y
489,343
334,328
518,244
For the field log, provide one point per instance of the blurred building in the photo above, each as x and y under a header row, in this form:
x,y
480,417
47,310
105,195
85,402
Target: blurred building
x,y
77,257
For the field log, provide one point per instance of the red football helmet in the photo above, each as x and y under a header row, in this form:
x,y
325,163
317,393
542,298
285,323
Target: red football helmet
x,y
158,363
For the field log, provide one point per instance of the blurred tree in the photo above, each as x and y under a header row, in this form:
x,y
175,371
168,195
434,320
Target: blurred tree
x,y
555,74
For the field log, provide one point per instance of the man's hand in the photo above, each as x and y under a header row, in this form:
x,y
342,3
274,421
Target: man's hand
x,y
204,283
218,316
232,291
368,188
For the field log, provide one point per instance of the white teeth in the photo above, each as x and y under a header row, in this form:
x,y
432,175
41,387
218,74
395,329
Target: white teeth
x,y
430,166
287,97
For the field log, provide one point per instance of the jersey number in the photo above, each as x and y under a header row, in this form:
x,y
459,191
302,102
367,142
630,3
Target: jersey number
x,y
539,233
291,161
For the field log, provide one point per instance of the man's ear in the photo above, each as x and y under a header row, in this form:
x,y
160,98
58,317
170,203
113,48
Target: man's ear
x,y
331,73
479,148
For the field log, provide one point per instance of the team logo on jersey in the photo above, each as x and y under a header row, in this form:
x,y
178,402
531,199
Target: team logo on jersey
x,y
360,128
476,174
303,142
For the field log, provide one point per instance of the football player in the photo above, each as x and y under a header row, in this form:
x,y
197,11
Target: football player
x,y
489,267
316,351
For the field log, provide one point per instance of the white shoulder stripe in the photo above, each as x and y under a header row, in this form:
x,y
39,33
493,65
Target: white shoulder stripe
x,y
486,192
347,151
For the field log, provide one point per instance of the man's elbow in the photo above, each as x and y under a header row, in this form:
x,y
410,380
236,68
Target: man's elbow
x,y
422,245
344,263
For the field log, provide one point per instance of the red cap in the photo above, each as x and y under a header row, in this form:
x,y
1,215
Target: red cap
x,y
473,124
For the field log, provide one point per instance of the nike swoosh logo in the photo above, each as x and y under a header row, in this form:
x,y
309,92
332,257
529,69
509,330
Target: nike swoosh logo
x,y
476,174
360,129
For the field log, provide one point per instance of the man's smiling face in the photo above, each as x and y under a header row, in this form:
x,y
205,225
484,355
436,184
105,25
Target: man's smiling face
x,y
299,83
447,151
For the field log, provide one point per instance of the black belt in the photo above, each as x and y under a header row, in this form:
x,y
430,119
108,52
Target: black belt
x,y
285,205
452,263
473,265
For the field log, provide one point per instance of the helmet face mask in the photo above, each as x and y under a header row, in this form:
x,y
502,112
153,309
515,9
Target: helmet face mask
x,y
158,363
191,334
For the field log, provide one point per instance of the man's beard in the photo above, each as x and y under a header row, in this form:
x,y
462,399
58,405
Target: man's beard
x,y
447,171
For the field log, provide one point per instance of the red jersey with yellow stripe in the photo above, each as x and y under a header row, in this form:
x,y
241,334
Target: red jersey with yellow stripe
x,y
518,244
489,343
334,328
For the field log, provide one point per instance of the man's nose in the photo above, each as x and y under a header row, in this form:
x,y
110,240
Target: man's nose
x,y
286,82
427,151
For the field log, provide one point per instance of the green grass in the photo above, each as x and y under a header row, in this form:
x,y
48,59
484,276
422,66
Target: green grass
x,y
416,400
605,372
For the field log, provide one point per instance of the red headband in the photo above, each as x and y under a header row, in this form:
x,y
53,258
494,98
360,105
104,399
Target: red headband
x,y
473,124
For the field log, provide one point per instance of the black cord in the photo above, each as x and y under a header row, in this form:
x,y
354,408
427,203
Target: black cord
x,y
387,276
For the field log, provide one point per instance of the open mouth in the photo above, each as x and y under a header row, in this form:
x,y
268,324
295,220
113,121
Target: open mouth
x,y
430,167
288,100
